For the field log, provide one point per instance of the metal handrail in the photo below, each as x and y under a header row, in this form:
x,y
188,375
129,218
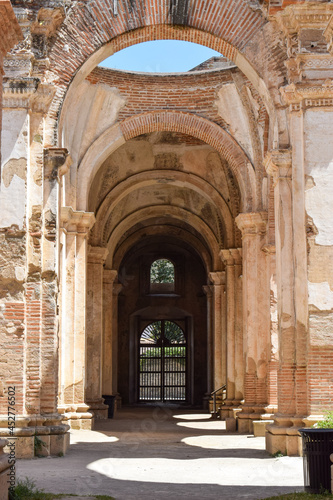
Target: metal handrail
x,y
214,396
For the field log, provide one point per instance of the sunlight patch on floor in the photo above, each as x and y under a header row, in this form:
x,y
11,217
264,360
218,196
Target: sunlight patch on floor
x,y
88,436
206,426
220,471
192,416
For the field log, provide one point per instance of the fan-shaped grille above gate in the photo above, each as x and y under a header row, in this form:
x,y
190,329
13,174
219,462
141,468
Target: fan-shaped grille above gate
x,y
162,363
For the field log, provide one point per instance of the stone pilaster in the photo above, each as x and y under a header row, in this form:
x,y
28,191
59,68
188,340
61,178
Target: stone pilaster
x,y
73,354
94,326
235,363
256,331
110,353
219,330
289,219
209,292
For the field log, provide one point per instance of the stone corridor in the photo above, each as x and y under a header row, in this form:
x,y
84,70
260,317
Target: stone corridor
x,y
162,453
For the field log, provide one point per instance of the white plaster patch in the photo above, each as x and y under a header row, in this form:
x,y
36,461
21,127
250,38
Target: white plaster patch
x,y
14,134
320,295
319,165
19,273
93,109
12,203
231,109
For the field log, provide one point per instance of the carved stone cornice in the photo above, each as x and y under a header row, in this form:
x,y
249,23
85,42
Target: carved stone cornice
x,y
109,276
302,28
328,34
277,163
252,223
217,277
57,162
309,67
97,255
18,91
76,221
302,96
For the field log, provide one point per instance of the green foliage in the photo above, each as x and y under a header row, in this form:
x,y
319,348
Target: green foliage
x,y
38,446
26,490
162,271
279,453
327,423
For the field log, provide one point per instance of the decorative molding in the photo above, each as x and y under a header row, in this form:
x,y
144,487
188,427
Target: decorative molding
x,y
76,221
277,163
252,223
269,249
302,96
57,162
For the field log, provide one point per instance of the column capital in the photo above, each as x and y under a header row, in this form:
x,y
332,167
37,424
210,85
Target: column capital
x,y
278,164
217,277
252,223
208,290
97,255
231,256
57,162
109,276
76,221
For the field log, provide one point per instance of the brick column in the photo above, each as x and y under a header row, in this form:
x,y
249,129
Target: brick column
x,y
72,397
96,259
256,325
292,362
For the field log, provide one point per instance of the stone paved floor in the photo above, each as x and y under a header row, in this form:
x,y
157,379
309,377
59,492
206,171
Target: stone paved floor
x,y
159,453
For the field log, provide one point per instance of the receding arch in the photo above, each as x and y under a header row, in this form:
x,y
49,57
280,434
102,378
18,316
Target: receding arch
x,y
186,123
217,30
168,177
177,232
161,211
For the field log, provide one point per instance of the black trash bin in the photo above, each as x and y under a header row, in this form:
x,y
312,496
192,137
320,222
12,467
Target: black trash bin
x,y
110,400
317,448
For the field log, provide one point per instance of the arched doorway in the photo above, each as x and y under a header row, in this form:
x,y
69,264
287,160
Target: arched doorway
x,y
162,363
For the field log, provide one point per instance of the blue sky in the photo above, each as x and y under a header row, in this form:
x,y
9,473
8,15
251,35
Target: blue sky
x,y
161,56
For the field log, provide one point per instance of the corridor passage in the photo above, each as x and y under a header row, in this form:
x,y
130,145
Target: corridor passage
x,y
165,453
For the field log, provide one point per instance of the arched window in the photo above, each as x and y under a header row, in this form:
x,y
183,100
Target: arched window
x,y
162,271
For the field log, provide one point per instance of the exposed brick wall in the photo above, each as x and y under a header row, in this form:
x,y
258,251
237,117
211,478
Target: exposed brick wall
x,y
320,381
193,93
12,354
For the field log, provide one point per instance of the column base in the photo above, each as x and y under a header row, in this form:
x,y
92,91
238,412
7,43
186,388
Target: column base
x,y
283,436
247,416
35,436
230,408
6,480
98,408
77,416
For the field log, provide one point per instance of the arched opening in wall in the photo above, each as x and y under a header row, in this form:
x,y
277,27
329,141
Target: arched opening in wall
x,y
162,276
166,56
164,204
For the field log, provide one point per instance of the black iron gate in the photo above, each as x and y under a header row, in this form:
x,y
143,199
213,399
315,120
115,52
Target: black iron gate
x,y
162,363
